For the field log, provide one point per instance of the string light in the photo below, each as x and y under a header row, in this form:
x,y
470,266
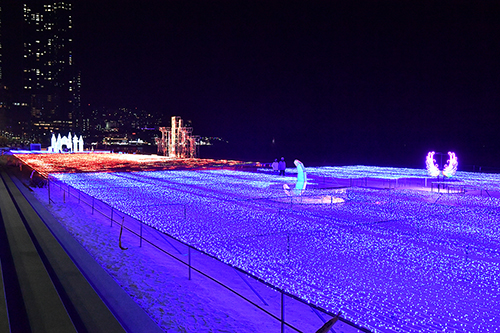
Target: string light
x,y
97,162
451,167
430,163
387,259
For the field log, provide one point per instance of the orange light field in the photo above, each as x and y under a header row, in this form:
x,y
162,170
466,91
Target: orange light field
x,y
100,162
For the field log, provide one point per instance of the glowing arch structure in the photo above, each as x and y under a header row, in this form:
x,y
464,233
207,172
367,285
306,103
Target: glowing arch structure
x,y
449,169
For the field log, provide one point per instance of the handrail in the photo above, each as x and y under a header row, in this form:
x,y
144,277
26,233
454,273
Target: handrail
x,y
54,181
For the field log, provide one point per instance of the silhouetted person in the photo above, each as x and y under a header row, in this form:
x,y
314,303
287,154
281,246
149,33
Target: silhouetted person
x,y
282,166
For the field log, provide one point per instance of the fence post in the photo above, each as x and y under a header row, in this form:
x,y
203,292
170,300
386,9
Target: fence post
x,y
140,243
282,312
48,187
288,248
111,216
189,261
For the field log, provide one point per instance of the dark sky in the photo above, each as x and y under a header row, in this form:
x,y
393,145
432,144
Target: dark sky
x,y
342,82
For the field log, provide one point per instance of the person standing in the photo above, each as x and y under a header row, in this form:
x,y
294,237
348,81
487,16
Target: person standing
x,y
282,166
275,165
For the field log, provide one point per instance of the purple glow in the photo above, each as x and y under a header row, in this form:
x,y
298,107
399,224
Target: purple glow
x,y
386,259
432,167
451,167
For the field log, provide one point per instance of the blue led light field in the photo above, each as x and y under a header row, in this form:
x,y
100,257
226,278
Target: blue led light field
x,y
388,259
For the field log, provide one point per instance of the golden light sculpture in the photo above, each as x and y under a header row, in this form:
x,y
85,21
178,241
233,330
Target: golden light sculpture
x,y
177,141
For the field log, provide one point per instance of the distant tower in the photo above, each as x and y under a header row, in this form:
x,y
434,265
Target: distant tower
x,y
51,84
177,141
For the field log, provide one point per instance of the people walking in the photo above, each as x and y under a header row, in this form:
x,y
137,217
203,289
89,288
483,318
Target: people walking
x,y
282,166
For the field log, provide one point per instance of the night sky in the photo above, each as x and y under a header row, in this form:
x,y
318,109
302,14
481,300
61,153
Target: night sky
x,y
336,82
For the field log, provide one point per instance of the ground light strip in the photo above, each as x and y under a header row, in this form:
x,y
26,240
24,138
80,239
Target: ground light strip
x,y
386,259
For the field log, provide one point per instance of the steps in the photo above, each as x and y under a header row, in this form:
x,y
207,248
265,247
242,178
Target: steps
x,y
44,308
49,283
4,315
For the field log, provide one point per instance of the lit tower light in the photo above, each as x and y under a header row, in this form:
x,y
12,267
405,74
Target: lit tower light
x,y
177,141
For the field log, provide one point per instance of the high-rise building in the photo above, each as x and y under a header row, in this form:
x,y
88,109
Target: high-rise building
x,y
3,93
1,51
51,83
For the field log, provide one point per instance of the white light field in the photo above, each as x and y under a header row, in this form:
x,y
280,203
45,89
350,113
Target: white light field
x,y
398,260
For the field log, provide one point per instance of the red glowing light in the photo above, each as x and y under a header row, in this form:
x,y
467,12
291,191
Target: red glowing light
x,y
93,162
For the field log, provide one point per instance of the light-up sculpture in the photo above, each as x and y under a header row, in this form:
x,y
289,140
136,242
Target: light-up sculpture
x,y
58,146
452,164
449,169
53,143
177,141
300,186
73,144
80,144
432,167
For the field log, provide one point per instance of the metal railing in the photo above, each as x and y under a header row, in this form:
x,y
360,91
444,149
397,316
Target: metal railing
x,y
196,260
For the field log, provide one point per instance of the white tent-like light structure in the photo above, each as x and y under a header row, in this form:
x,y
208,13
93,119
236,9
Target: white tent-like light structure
x,y
73,144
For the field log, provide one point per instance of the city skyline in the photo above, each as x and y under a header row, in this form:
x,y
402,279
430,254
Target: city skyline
x,y
345,83
51,85
42,87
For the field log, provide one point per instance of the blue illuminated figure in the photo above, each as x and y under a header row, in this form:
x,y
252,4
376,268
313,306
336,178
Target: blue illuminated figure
x,y
300,186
